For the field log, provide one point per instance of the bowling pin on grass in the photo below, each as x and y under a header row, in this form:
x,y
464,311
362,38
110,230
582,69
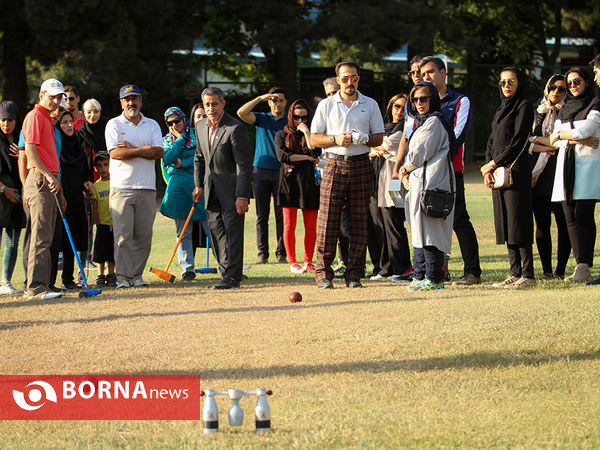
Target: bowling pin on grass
x,y
262,412
236,413
210,413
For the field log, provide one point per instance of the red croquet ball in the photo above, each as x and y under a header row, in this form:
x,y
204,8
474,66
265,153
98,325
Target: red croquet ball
x,y
295,297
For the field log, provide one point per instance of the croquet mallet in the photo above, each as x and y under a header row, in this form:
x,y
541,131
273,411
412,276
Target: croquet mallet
x,y
164,274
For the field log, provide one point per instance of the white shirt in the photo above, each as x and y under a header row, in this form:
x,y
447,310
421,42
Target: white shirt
x,y
334,117
135,173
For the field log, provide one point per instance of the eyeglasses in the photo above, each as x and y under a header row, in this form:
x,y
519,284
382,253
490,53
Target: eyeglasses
x,y
398,105
300,117
351,78
423,99
331,93
557,88
70,99
413,73
510,82
170,123
575,82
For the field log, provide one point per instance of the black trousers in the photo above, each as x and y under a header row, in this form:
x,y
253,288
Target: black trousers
x,y
394,258
227,236
428,263
521,261
344,236
543,209
265,184
465,233
582,229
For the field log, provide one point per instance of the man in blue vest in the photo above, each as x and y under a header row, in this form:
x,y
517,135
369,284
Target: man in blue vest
x,y
457,108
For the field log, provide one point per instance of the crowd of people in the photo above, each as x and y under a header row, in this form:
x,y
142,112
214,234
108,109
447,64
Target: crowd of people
x,y
336,167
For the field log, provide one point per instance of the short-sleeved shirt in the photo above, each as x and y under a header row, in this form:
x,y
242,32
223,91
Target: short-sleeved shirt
x,y
334,117
38,130
267,127
77,124
101,192
134,173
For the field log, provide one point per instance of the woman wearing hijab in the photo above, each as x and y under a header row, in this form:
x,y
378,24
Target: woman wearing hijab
x,y
513,218
543,163
427,165
298,187
576,182
92,132
12,217
178,166
391,240
75,179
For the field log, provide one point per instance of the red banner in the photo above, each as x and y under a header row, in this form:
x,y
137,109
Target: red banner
x,y
99,397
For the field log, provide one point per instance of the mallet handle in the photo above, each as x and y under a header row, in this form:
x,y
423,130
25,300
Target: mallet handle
x,y
187,221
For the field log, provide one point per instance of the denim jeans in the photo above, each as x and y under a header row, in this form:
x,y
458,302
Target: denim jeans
x,y
428,263
11,249
185,251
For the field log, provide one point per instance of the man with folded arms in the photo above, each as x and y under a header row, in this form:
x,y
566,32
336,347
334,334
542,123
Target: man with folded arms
x,y
40,188
134,142
345,126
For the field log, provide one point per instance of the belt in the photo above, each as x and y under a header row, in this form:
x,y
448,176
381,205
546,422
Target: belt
x,y
335,157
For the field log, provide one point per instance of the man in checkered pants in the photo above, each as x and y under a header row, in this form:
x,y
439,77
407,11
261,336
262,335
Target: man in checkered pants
x,y
345,126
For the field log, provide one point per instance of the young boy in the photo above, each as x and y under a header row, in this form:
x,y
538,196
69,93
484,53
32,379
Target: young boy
x,y
104,243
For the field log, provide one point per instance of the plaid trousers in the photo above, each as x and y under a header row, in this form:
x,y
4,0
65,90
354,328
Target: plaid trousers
x,y
341,180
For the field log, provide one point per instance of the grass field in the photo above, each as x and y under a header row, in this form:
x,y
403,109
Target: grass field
x,y
377,367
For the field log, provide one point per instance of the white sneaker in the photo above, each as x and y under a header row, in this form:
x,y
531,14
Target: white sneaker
x,y
377,278
8,289
123,284
397,279
46,295
139,282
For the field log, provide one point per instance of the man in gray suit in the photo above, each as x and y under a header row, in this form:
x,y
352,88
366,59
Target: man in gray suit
x,y
222,170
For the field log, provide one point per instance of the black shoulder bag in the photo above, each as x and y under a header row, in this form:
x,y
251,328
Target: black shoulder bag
x,y
438,203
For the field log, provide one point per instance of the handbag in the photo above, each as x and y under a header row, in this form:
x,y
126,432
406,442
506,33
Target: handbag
x,y
437,203
503,175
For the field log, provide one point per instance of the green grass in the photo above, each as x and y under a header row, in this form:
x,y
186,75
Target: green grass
x,y
377,367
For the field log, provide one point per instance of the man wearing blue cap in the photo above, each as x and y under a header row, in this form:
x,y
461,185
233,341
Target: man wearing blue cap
x,y
134,142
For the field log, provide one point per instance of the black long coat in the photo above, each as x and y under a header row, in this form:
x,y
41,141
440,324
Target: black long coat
x,y
513,218
298,189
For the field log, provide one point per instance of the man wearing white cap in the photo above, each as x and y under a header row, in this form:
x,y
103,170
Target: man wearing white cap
x,y
40,187
134,142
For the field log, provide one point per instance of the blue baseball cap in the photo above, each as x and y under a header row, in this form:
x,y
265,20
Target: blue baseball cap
x,y
129,89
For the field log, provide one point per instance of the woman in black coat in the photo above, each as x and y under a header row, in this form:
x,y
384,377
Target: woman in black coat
x,y
298,187
75,179
513,218
12,217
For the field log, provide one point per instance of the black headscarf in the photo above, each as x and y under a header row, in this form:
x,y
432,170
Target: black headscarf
x,y
435,111
510,105
295,141
8,163
94,134
574,105
71,151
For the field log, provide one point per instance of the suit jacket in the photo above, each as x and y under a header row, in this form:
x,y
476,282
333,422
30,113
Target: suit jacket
x,y
225,166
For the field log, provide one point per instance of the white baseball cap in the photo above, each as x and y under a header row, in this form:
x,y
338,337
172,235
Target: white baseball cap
x,y
52,86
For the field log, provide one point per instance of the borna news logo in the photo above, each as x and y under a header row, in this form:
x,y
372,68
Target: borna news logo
x,y
35,396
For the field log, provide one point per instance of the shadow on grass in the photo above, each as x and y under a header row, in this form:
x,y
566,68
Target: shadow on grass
x,y
230,310
475,360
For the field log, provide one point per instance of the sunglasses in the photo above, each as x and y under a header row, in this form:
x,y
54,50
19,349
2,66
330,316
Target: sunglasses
x,y
352,78
300,117
575,82
70,99
331,93
557,88
170,123
413,73
398,105
510,82
424,99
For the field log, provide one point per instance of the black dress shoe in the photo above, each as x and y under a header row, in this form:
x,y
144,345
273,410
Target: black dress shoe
x,y
71,286
53,288
226,283
353,284
325,283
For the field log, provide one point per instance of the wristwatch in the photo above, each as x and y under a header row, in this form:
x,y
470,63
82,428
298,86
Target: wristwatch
x,y
333,140
2,189
403,170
